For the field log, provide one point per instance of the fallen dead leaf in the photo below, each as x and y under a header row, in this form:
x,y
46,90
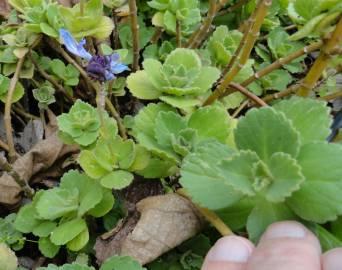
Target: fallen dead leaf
x,y
165,222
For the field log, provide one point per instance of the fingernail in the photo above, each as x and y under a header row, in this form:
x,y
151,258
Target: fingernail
x,y
285,229
230,249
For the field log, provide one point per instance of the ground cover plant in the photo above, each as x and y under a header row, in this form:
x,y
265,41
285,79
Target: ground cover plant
x,y
133,134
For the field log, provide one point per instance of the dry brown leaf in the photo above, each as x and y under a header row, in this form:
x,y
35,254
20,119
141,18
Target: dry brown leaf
x,y
40,158
165,222
5,8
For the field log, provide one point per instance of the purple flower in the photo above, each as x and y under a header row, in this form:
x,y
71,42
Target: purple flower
x,y
100,67
74,47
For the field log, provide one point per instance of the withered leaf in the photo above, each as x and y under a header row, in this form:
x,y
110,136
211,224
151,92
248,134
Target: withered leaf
x,y
165,222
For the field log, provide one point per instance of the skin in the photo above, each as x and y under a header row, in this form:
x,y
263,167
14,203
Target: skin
x,y
285,245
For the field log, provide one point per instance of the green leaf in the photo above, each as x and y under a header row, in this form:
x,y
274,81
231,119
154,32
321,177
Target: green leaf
x,y
89,191
336,228
307,8
238,173
167,127
311,118
266,132
203,180
141,87
104,206
117,179
319,198
90,165
211,122
125,151
18,93
67,231
286,177
327,239
79,241
27,219
55,203
47,248
44,229
263,215
121,263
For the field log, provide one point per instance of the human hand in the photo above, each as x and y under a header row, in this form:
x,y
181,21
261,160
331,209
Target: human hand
x,y
285,245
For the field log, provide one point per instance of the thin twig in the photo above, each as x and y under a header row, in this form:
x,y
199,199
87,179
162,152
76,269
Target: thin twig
x,y
49,78
4,146
332,96
321,62
157,35
135,33
23,113
7,115
116,31
196,38
5,166
248,94
210,216
178,34
290,90
260,14
94,86
283,61
238,110
232,8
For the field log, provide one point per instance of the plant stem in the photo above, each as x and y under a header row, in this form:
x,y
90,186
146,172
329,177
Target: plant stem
x,y
93,85
5,166
7,116
157,35
321,62
332,96
248,94
210,216
178,34
282,61
82,2
290,90
135,33
116,31
260,14
49,78
4,146
232,8
196,38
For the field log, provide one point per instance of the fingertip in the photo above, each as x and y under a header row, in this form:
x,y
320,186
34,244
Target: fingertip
x,y
332,260
228,253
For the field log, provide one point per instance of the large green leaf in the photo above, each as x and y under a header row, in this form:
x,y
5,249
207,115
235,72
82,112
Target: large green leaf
x,y
57,202
319,198
141,87
167,126
121,263
117,179
266,131
211,122
79,241
90,192
264,214
203,180
47,248
67,231
310,117
104,206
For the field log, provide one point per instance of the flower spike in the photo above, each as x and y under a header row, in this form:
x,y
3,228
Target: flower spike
x,y
72,45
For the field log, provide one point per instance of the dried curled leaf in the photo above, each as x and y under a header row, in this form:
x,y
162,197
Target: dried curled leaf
x,y
165,222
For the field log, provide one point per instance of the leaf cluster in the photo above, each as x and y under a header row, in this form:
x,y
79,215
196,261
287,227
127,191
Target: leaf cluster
x,y
57,216
282,164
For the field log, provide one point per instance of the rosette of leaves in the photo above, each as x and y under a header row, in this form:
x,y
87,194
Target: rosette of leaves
x,y
222,45
57,216
171,136
44,95
283,168
81,125
9,235
313,17
44,18
18,93
91,23
186,12
181,81
159,52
